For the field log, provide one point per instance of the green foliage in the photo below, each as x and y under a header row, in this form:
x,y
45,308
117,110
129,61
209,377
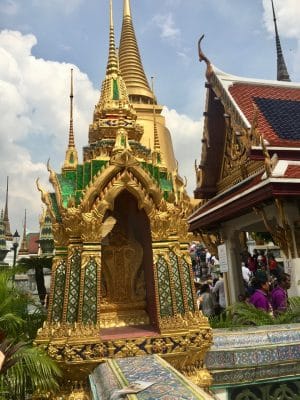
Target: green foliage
x,y
35,262
15,318
26,368
245,314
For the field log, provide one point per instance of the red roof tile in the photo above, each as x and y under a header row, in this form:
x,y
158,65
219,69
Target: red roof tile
x,y
292,171
245,94
32,243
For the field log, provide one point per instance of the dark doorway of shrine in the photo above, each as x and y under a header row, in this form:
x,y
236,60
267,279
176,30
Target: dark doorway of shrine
x,y
127,279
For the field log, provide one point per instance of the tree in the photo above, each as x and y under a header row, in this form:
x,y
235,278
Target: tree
x,y
37,263
24,368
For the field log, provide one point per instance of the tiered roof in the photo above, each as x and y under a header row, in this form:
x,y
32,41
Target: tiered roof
x,y
265,129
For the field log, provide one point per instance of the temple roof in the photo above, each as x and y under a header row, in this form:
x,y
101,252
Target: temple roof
x,y
247,194
271,98
279,110
252,128
33,242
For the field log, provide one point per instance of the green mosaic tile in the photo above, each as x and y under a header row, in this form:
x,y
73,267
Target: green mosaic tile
x,y
67,182
89,311
55,206
79,182
86,174
164,289
58,299
188,283
97,165
73,299
78,196
166,185
70,175
115,90
177,282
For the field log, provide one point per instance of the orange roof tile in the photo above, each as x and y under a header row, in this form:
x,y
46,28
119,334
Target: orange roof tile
x,y
247,95
292,171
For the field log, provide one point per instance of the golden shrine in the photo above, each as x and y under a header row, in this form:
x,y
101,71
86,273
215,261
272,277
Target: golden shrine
x,y
122,283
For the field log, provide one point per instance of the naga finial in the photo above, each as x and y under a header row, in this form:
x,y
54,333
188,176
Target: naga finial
x,y
52,176
202,57
45,198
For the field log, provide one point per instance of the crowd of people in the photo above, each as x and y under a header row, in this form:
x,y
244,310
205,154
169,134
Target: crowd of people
x,y
208,281
265,282
259,260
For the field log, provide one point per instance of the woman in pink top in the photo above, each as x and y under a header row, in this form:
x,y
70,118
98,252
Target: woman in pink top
x,y
260,297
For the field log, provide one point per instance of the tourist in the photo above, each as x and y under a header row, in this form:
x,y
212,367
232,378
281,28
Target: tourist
x,y
279,295
219,292
262,260
273,266
260,297
251,263
255,257
246,274
206,301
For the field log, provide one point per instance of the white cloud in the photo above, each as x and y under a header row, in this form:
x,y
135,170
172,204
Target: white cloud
x,y
9,7
167,26
34,108
288,16
186,136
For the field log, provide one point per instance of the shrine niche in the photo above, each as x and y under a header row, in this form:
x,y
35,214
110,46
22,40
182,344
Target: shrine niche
x,y
126,253
122,283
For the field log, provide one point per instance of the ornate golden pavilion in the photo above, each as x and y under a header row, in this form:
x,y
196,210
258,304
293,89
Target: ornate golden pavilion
x,y
122,283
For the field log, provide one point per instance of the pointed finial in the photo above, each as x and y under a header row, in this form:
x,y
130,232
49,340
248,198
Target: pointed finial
x,y
8,233
71,130
202,57
112,64
156,138
24,248
71,159
126,9
282,72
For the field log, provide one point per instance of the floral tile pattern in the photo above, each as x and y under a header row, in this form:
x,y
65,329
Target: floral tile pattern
x,y
168,383
254,354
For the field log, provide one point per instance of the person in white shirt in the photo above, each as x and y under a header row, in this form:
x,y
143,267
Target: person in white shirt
x,y
246,273
219,291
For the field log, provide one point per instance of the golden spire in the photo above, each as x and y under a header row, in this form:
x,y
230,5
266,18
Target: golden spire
x,y
71,130
126,10
71,159
130,61
113,108
156,137
24,248
112,63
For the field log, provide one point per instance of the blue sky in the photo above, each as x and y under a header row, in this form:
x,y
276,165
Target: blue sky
x,y
40,40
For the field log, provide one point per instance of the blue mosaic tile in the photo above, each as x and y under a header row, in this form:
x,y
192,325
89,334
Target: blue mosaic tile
x,y
266,372
245,358
265,356
220,359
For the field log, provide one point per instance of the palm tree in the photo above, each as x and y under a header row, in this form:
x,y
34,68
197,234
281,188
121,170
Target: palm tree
x,y
37,264
24,368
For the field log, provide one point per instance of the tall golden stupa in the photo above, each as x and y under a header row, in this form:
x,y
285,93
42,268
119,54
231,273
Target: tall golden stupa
x,y
122,283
